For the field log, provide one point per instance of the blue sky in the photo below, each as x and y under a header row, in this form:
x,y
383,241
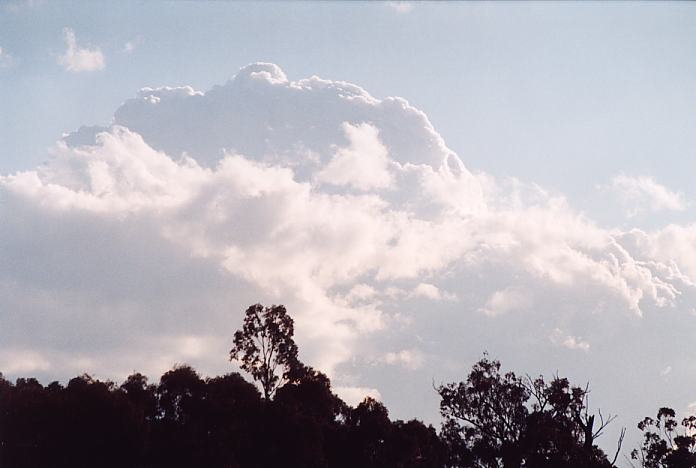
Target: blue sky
x,y
565,240
577,91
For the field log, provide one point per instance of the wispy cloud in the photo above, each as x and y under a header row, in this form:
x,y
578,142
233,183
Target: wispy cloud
x,y
408,358
77,59
354,395
130,46
507,300
16,6
430,291
559,338
644,193
5,58
401,7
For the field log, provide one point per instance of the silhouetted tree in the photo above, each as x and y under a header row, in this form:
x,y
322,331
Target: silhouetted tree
x,y
309,392
490,420
414,445
665,444
179,430
369,429
141,399
24,409
265,346
494,419
233,423
5,422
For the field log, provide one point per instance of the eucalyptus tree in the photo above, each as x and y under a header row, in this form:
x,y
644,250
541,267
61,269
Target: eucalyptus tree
x,y
265,347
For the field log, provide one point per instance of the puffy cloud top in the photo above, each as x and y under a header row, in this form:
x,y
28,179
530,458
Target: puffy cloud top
x,y
349,209
260,114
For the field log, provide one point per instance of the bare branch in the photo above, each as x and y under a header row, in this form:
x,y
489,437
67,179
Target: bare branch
x,y
618,448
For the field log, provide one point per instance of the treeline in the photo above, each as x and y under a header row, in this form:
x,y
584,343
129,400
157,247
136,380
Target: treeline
x,y
291,418
187,421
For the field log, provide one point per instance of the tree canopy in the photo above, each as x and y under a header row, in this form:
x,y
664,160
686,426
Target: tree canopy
x,y
265,346
492,419
496,419
666,442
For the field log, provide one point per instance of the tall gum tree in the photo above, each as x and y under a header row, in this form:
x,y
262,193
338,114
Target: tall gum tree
x,y
265,347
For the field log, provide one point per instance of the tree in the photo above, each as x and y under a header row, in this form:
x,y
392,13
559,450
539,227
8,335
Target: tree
x,y
179,432
494,419
664,444
369,430
265,347
309,393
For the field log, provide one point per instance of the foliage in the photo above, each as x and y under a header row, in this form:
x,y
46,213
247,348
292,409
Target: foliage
x,y
265,346
501,420
665,445
492,419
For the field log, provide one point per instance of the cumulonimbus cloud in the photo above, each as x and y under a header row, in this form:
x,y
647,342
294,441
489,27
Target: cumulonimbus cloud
x,y
161,228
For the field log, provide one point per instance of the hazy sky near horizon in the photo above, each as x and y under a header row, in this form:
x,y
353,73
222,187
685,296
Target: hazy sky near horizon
x,y
417,182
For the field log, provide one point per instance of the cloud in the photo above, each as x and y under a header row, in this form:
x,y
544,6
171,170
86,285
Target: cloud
x,y
408,358
16,6
430,291
5,58
401,7
77,59
507,300
363,165
24,362
140,244
130,46
559,338
355,395
643,193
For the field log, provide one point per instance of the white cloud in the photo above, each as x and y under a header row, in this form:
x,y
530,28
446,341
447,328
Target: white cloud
x,y
17,6
25,362
559,338
507,300
130,46
363,165
643,193
5,58
361,293
151,236
430,291
401,7
355,395
77,59
408,358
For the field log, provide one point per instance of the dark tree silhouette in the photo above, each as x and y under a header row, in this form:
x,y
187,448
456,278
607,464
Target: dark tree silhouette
x,y
180,432
501,420
232,420
309,393
370,429
265,347
665,444
186,421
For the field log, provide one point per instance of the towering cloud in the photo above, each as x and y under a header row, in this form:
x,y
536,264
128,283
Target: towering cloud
x,y
149,238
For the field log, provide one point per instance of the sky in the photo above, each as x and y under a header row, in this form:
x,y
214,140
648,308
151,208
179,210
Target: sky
x,y
417,182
